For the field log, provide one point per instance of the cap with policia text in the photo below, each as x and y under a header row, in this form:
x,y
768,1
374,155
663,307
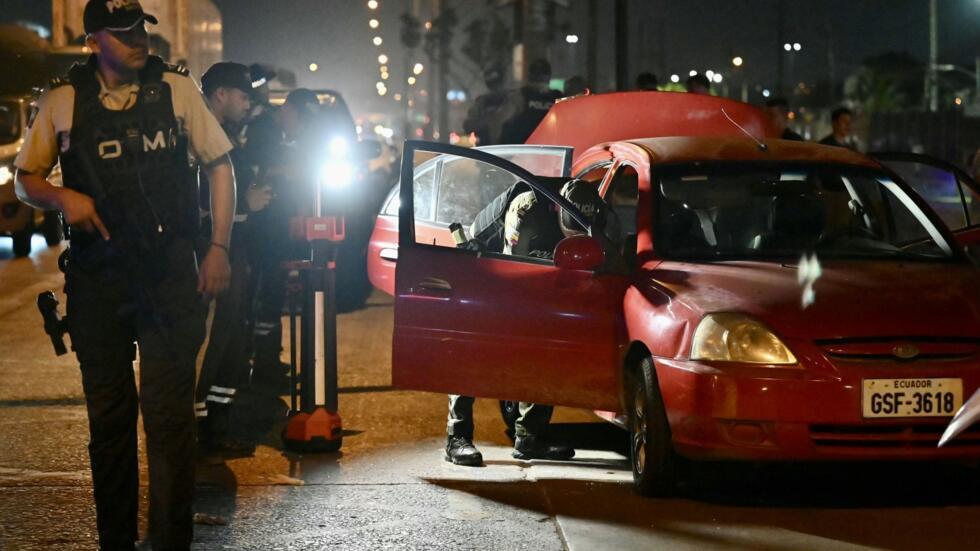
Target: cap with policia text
x,y
114,15
226,75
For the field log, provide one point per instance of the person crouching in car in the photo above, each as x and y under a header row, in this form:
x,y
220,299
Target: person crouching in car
x,y
530,229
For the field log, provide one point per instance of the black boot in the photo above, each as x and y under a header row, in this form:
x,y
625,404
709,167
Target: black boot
x,y
536,447
461,451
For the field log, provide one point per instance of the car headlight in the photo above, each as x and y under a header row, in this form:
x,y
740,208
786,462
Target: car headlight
x,y
738,338
6,175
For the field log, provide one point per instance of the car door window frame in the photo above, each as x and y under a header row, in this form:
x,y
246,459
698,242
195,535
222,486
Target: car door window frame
x,y
406,214
962,178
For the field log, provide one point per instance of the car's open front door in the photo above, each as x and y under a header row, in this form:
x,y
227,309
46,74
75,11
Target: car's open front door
x,y
482,323
951,193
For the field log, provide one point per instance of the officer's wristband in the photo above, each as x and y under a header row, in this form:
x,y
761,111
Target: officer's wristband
x,y
220,246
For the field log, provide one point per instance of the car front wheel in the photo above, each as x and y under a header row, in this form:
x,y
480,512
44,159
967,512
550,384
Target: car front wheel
x,y
655,464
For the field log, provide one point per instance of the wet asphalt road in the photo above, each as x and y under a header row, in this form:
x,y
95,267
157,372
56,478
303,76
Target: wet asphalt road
x,y
389,487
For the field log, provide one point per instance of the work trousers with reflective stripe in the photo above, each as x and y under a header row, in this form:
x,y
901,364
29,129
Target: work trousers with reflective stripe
x,y
533,420
225,368
110,312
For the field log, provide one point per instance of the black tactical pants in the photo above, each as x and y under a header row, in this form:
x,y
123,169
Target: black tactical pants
x,y
267,287
533,421
108,313
225,368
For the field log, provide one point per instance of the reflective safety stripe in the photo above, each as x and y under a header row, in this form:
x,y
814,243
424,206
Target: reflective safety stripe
x,y
201,413
201,409
219,399
263,328
223,390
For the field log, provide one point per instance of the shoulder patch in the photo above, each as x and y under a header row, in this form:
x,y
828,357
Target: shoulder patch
x,y
179,69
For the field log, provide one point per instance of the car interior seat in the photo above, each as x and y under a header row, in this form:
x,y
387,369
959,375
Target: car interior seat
x,y
795,223
680,231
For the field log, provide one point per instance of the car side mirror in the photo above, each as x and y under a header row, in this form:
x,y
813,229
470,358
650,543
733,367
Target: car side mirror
x,y
579,252
369,149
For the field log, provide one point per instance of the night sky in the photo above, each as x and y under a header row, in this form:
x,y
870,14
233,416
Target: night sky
x,y
668,36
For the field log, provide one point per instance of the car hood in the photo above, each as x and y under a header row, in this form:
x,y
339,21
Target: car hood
x,y
852,299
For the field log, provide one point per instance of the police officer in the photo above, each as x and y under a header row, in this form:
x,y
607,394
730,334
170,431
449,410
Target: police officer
x,y
285,164
225,369
530,104
122,126
489,111
531,229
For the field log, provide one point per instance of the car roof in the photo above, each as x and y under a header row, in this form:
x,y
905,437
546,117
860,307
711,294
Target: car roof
x,y
706,149
584,121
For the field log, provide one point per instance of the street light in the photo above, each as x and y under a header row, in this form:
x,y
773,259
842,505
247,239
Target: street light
x,y
418,68
411,81
717,78
571,38
372,4
675,79
788,47
797,46
692,73
382,59
373,23
314,67
737,61
378,41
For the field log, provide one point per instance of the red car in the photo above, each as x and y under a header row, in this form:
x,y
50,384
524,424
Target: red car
x,y
770,300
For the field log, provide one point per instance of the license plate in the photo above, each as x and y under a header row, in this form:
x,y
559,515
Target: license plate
x,y
912,397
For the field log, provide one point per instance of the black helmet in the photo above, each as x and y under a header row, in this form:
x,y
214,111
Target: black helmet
x,y
585,197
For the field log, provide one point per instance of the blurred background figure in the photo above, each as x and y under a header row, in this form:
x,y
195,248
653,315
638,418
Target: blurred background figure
x,y
530,103
647,81
698,84
840,136
486,116
778,111
575,86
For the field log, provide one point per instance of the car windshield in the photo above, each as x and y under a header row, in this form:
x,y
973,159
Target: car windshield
x,y
743,211
10,123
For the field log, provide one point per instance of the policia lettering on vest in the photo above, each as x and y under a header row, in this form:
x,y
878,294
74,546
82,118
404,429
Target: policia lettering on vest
x,y
123,126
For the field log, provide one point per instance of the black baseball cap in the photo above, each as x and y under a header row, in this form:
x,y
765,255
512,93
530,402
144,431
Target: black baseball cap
x,y
226,74
114,15
261,74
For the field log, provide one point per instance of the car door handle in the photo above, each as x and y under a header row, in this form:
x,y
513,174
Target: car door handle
x,y
389,254
432,287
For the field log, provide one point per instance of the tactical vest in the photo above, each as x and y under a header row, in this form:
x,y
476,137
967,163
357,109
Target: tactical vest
x,y
539,230
134,163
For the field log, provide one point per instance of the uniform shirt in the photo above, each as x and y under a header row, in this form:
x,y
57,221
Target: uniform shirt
x,y
51,125
531,227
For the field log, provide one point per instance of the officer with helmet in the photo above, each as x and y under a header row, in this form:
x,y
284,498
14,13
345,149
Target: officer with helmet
x,y
123,126
531,229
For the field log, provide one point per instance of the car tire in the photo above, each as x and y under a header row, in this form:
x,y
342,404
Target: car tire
x,y
22,240
51,228
656,467
509,412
